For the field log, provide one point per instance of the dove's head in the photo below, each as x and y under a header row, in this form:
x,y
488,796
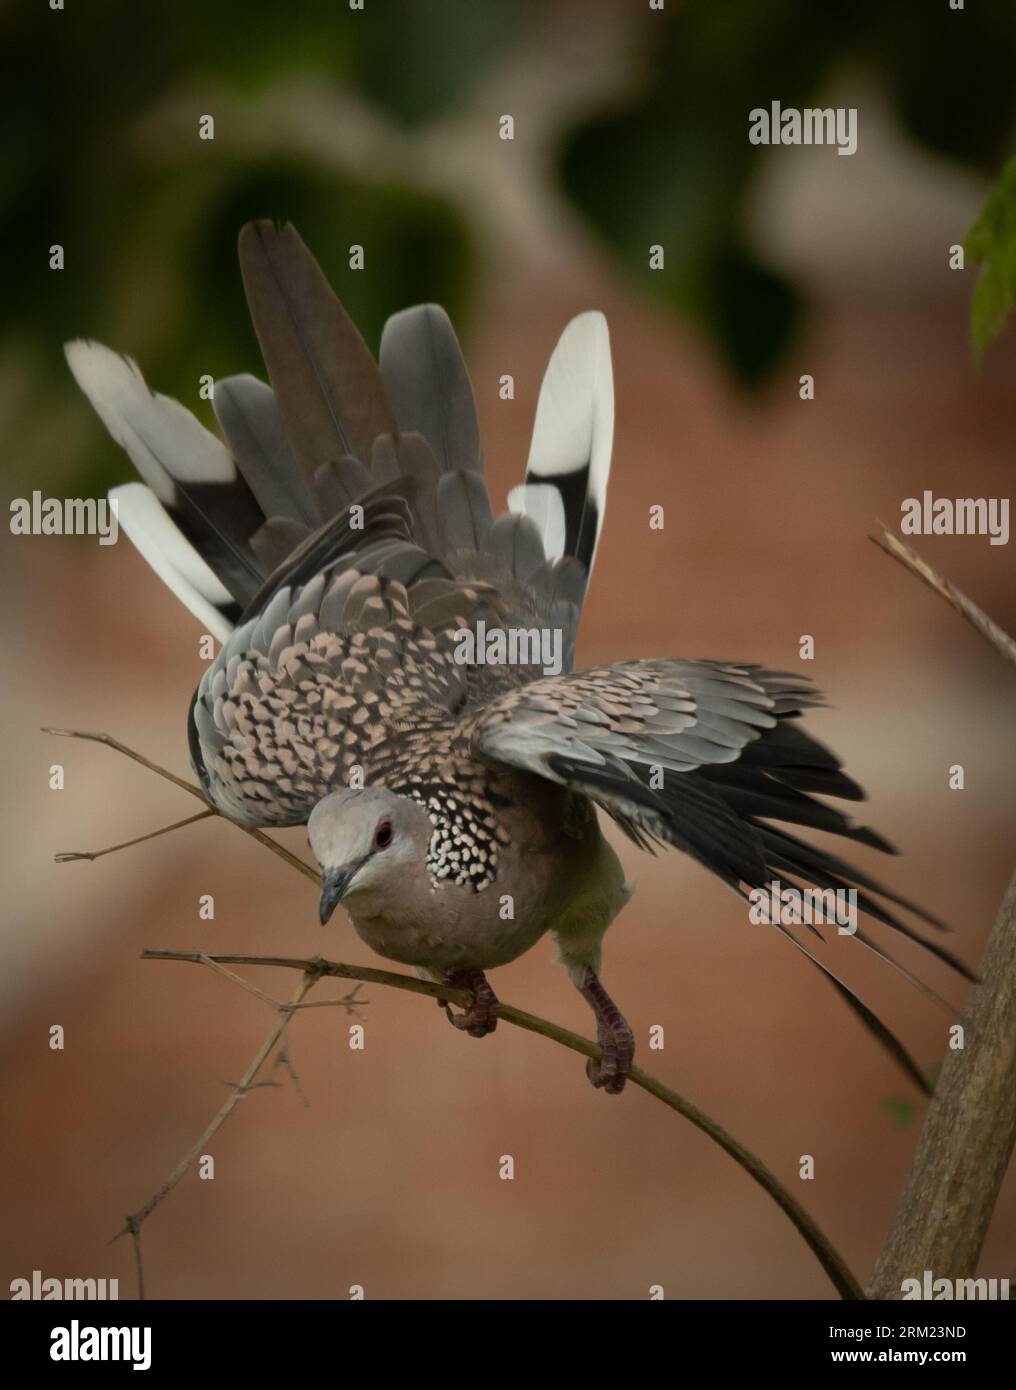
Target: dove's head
x,y
370,844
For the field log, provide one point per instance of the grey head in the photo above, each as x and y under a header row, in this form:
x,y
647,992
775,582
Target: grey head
x,y
371,846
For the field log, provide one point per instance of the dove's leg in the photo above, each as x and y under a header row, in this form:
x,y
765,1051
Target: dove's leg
x,y
614,1035
580,940
481,1018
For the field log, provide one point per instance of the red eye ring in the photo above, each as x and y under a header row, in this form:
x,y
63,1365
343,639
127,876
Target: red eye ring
x,y
383,834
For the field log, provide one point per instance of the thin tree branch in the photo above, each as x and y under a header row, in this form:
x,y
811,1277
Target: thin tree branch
x,y
238,980
910,560
830,1259
139,1262
970,1129
69,856
110,742
134,1222
366,974
283,1060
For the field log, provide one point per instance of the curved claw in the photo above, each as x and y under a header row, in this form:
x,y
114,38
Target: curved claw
x,y
610,1071
481,1017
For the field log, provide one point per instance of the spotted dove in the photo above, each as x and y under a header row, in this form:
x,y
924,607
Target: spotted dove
x,y
340,543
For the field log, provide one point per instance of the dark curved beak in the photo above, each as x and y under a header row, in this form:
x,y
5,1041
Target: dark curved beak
x,y
333,889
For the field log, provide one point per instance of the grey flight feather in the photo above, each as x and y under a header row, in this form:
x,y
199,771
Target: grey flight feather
x,y
516,542
428,385
464,510
325,379
249,417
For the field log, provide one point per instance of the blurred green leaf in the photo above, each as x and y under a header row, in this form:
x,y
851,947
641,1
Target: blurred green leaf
x,y
425,58
904,1112
751,312
992,241
923,55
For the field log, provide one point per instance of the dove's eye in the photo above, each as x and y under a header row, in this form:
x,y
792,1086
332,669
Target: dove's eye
x,y
383,834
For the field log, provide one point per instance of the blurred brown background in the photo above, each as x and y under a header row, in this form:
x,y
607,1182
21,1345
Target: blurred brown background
x,y
389,1179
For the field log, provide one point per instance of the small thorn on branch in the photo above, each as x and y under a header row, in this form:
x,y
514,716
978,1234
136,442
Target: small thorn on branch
x,y
284,1060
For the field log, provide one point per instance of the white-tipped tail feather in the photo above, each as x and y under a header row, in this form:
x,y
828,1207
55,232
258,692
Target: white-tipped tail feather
x,y
572,439
542,503
195,521
172,556
163,439
189,470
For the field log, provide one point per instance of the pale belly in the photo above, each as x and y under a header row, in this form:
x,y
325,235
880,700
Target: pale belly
x,y
464,930
469,944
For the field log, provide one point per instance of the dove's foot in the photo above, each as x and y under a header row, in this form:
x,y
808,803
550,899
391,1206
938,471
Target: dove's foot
x,y
481,1018
613,1033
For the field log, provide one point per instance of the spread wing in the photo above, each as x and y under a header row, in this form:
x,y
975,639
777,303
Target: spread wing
x,y
705,756
630,735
